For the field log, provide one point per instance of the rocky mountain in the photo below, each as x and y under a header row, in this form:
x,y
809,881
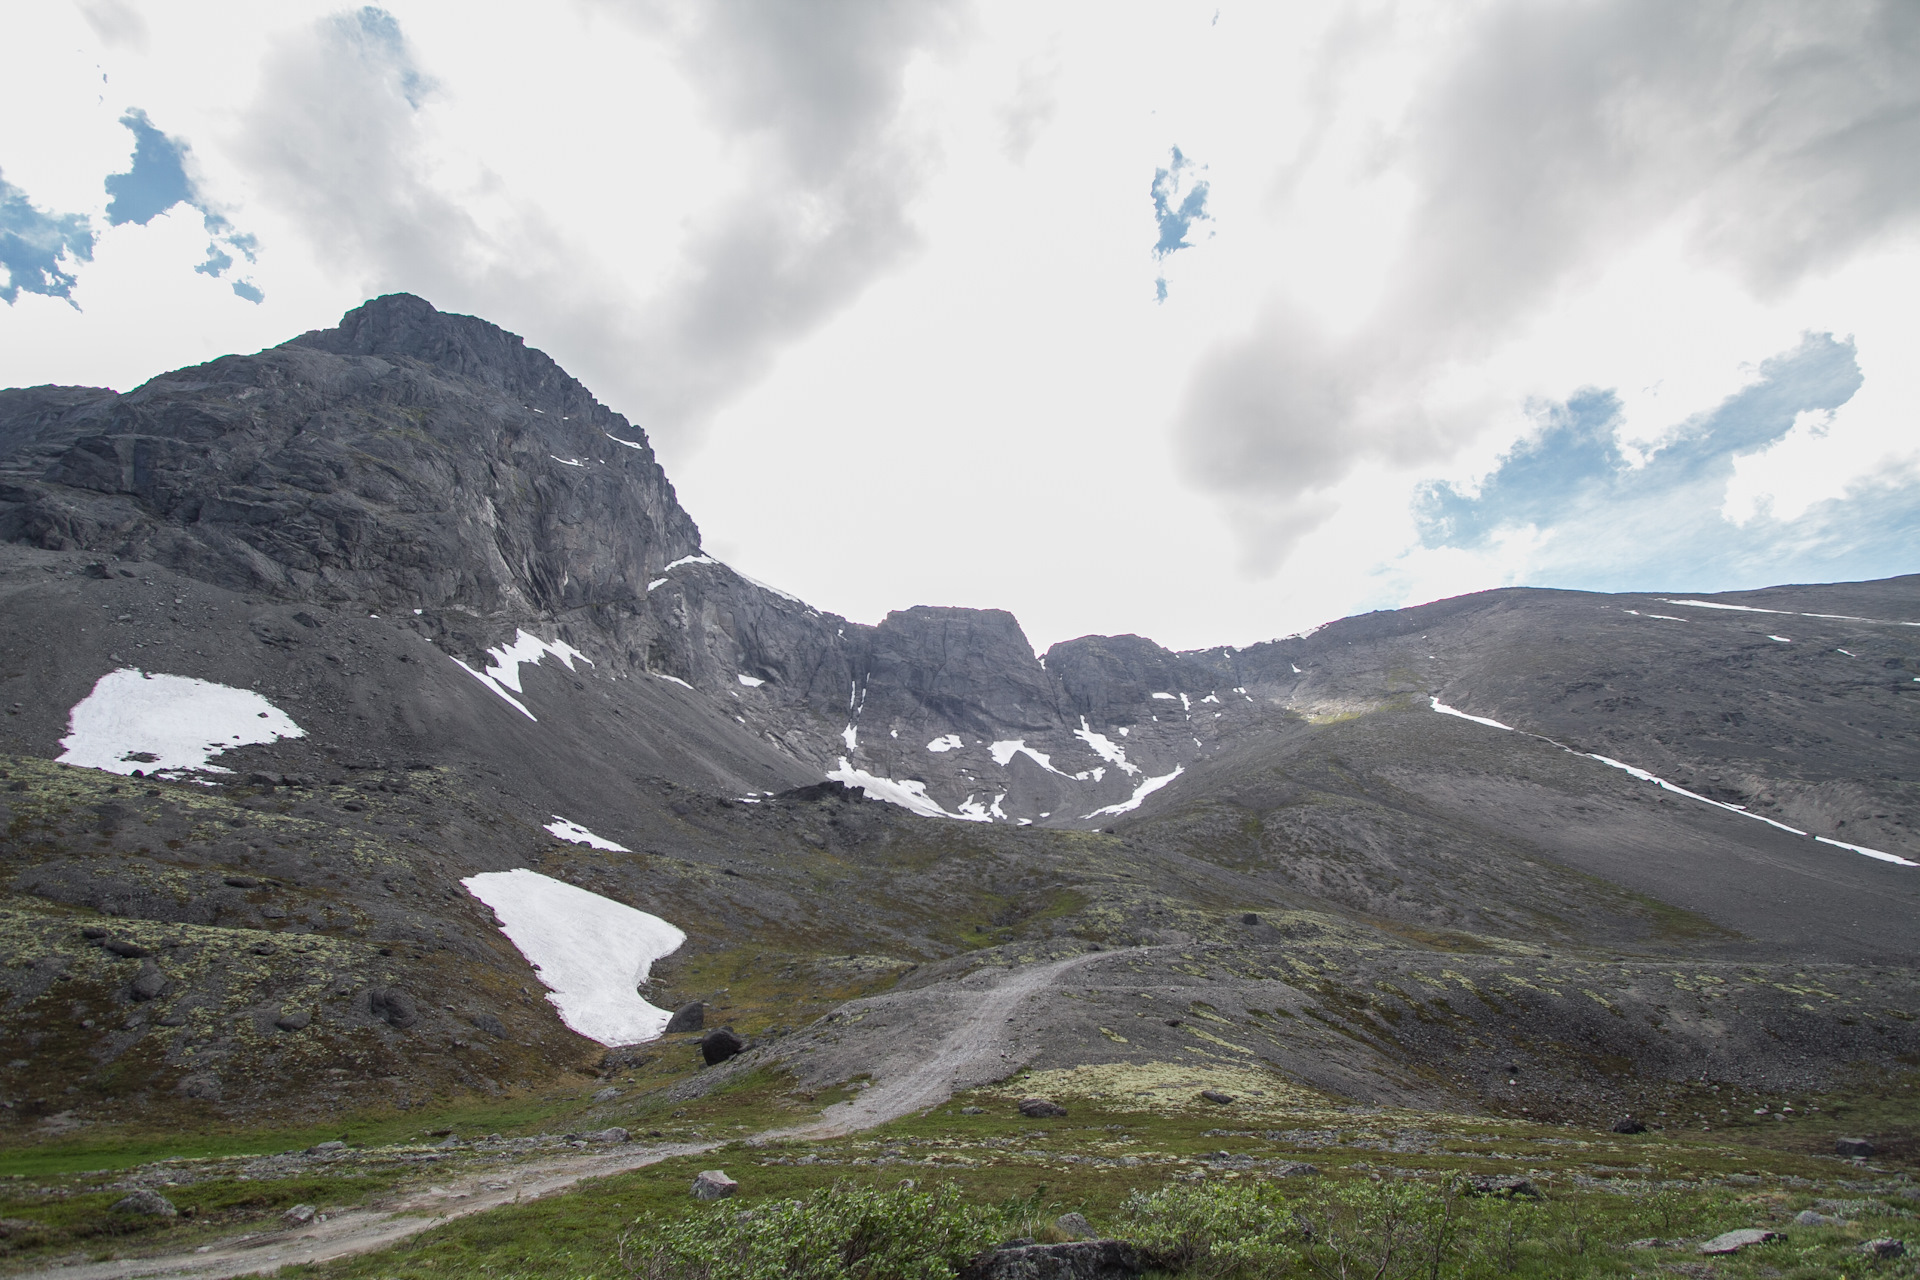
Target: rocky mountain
x,y
469,590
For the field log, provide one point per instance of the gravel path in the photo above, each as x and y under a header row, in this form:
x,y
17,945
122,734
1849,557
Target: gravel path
x,y
981,1046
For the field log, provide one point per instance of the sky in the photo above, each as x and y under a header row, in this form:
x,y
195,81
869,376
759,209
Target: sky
x,y
1208,322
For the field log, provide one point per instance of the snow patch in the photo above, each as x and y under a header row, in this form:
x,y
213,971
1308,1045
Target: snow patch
x,y
1106,748
751,682
508,658
909,794
1169,697
1446,710
1296,668
592,953
673,680
1871,853
631,444
569,462
695,558
1140,793
657,582
851,736
1781,639
573,831
164,724
493,686
946,742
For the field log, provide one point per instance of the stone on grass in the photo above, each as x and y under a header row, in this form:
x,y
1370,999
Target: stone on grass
x,y
1296,1169
720,1044
688,1017
148,983
1489,1184
326,1148
713,1184
1884,1247
1216,1097
1628,1124
606,1095
128,950
148,1203
1809,1218
299,1216
613,1134
1079,1260
973,1111
1735,1241
1073,1226
1042,1109
1853,1147
294,1020
394,1006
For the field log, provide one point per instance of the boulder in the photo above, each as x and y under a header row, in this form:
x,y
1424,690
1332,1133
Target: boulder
x,y
1042,1109
146,1203
294,1020
1884,1247
688,1017
712,1184
1627,1124
128,950
203,1085
1216,1097
605,1095
490,1024
612,1134
1811,1218
1853,1147
1735,1241
326,1148
1296,1169
720,1044
1073,1226
300,1215
1077,1260
148,983
393,1005
973,1111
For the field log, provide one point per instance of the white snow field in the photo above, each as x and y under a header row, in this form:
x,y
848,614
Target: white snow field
x,y
1140,793
592,952
565,829
908,794
167,724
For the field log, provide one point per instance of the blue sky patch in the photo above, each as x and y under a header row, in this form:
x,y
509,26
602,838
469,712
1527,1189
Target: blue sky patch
x,y
37,248
1601,524
157,179
380,31
1179,201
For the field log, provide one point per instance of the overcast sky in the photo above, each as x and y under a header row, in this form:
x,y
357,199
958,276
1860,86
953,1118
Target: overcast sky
x,y
1210,322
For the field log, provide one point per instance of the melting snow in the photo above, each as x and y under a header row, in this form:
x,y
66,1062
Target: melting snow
x,y
948,742
909,794
657,582
751,682
592,952
1106,749
631,444
850,736
494,687
1140,793
570,462
159,723
695,558
1781,639
507,658
1296,668
672,680
578,834
1446,710
1664,785
1210,698
1167,696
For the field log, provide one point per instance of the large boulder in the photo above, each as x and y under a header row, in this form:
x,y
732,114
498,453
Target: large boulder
x,y
1042,1109
1735,1241
149,983
713,1184
393,1005
688,1017
1853,1147
1076,1260
150,1204
1628,1124
720,1044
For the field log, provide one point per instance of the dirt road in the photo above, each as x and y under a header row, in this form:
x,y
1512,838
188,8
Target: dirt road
x,y
974,1039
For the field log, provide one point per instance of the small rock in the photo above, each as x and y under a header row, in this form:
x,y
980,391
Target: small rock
x,y
242,882
1884,1247
150,1203
451,1140
712,1184
1216,1097
1735,1241
1808,1218
1079,1260
614,1134
203,1085
1296,1169
1250,918
720,1044
326,1148
1652,1242
1627,1124
688,1017
299,1216
148,983
973,1111
294,1020
1853,1147
121,947
93,933
490,1024
1073,1226
1042,1109
606,1095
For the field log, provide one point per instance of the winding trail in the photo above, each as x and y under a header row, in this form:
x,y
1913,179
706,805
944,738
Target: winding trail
x,y
977,1050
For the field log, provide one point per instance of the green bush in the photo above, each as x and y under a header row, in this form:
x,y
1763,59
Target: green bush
x,y
1381,1230
843,1233
1229,1231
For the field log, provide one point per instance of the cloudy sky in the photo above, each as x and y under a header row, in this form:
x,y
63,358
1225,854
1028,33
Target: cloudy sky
x,y
1206,321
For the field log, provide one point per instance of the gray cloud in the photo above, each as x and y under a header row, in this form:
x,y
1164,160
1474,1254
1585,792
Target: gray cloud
x,y
1783,131
813,90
